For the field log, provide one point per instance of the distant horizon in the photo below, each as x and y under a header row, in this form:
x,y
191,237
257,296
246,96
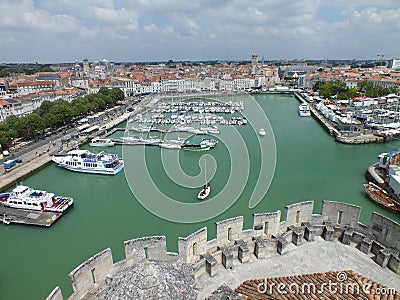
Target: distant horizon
x,y
199,61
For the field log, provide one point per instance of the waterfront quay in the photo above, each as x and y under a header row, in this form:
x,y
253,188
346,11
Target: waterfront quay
x,y
39,155
333,130
28,217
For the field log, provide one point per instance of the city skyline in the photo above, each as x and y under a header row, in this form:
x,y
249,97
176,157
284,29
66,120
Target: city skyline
x,y
47,31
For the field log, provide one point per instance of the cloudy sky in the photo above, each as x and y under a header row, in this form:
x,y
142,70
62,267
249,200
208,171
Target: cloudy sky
x,y
158,30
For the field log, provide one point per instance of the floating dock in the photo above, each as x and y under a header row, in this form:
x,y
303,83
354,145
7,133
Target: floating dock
x,y
28,217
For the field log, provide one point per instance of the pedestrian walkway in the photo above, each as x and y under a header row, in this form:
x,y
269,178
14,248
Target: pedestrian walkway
x,y
40,156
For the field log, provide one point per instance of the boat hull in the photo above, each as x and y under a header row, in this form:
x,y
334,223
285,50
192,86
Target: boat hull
x,y
203,194
380,197
193,149
94,170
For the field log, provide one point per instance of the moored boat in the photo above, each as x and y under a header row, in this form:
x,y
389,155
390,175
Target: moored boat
x,y
85,161
380,196
304,110
101,142
167,145
23,197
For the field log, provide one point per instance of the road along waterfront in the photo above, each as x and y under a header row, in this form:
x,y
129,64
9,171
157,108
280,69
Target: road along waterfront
x,y
310,166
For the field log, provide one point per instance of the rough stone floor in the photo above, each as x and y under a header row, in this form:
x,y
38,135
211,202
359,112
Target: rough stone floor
x,y
311,257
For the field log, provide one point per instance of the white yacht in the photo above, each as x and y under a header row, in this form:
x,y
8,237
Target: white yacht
x,y
304,110
87,162
23,197
101,142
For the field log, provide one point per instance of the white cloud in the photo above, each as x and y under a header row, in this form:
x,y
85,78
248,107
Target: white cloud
x,y
197,29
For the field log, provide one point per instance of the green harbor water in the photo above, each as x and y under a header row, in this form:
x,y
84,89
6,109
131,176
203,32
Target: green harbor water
x,y
310,166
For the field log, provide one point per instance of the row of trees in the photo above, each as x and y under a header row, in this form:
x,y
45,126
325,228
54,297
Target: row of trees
x,y
5,72
56,114
339,90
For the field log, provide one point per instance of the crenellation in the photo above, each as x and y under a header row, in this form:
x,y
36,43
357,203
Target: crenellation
x,y
193,245
153,247
229,230
267,223
339,213
386,230
56,294
91,272
298,212
380,240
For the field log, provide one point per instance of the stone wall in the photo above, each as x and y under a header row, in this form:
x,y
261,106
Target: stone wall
x,y
91,272
233,245
340,213
386,230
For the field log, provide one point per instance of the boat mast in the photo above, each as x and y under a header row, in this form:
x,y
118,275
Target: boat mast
x,y
205,172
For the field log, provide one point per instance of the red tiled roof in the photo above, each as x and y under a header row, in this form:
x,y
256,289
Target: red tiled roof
x,y
333,285
3,103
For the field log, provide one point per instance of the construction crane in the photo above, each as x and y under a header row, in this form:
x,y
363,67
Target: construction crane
x,y
383,55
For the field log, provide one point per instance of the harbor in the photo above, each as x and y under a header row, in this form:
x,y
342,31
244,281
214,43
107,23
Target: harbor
x,y
106,213
349,134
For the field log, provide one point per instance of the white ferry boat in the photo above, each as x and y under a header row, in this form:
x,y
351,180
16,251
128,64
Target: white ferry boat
x,y
86,162
101,142
23,197
304,110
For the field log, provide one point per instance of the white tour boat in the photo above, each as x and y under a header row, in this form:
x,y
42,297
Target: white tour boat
x,y
101,142
87,162
304,110
23,197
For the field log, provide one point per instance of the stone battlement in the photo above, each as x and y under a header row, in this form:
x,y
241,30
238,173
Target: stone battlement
x,y
336,222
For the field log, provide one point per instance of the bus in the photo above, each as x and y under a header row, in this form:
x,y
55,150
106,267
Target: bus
x,y
83,127
91,130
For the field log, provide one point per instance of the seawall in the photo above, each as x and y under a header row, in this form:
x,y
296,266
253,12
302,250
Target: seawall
x,y
333,131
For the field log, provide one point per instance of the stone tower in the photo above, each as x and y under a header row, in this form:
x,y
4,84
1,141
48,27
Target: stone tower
x,y
85,67
254,62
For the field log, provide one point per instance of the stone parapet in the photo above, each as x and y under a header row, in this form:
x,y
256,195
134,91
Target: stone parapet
x,y
234,245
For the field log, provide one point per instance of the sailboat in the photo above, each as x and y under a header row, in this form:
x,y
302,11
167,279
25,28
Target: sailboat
x,y
203,194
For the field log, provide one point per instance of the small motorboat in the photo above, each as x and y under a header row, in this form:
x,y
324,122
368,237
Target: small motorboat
x,y
203,194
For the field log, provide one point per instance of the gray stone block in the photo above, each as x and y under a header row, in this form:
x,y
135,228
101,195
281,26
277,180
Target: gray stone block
x,y
243,251
394,264
347,235
383,256
260,247
227,256
211,264
309,232
282,246
328,234
297,235
365,245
